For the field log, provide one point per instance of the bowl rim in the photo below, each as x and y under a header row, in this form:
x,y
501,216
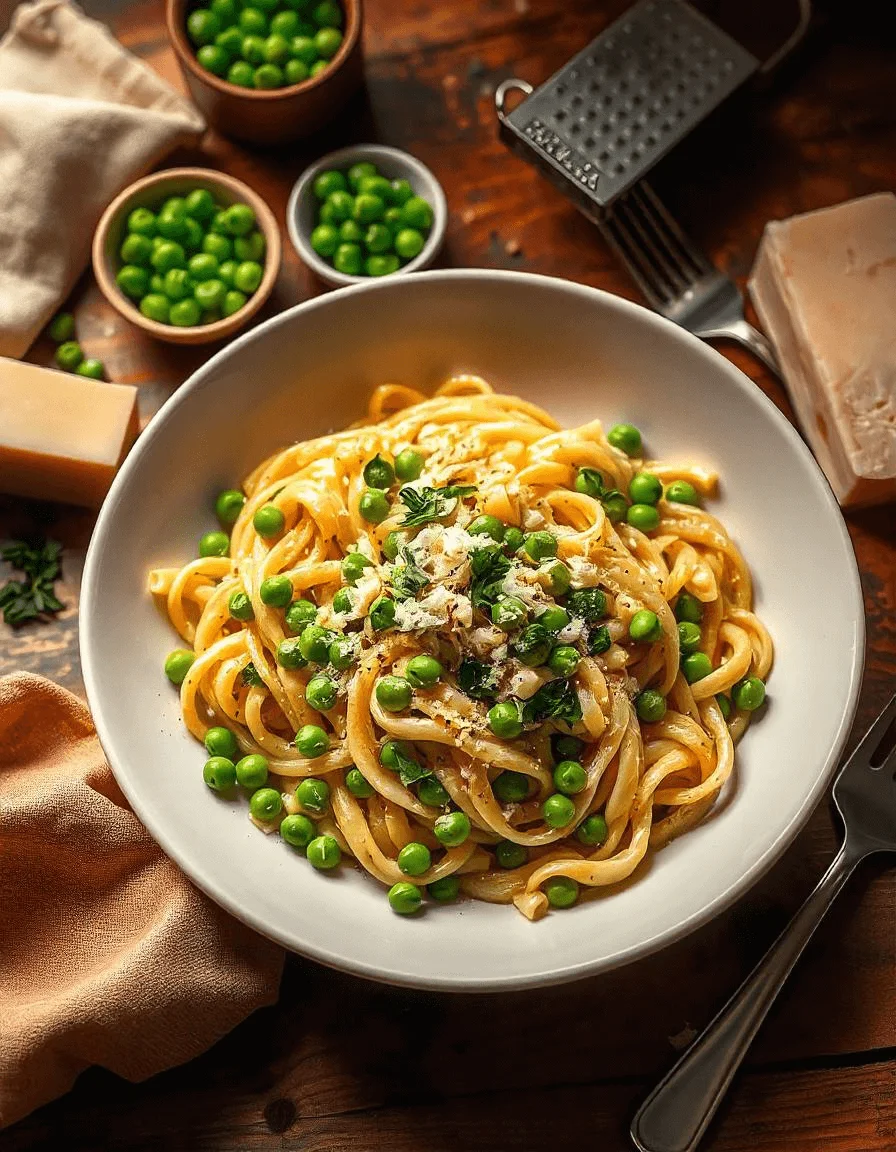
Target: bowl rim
x,y
169,332
340,157
175,9
90,613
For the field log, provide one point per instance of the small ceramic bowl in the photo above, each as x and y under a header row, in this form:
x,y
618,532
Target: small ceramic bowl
x,y
394,165
150,192
278,114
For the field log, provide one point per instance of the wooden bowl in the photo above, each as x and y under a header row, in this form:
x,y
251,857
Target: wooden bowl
x,y
274,115
150,192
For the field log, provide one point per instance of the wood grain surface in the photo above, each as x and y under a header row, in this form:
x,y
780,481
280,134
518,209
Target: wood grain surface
x,y
342,1063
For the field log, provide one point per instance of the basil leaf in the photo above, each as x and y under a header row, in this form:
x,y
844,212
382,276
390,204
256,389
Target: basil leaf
x,y
426,504
588,603
250,675
599,640
556,700
409,771
408,579
489,567
477,679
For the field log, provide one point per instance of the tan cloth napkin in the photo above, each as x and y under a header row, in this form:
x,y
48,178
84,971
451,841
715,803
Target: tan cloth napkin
x,y
80,118
108,955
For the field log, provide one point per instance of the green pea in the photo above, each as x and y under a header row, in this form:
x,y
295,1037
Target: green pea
x,y
317,67
749,694
688,609
270,75
219,248
378,238
325,239
268,520
203,266
696,666
330,181
530,649
416,213
381,265
423,671
312,741
351,232
342,601
142,221
644,517
132,280
240,606
368,208
645,627
324,853
645,488
382,613
570,777
285,24
92,368
252,771
314,795
487,526
392,751
219,772
681,492
195,234
214,544
213,58
328,42
233,302
168,254
343,652
560,577
62,327
209,294
452,829
358,785
231,40
358,172
509,613
504,720
650,705
408,464
239,219
513,539
558,810
626,438
276,591
327,14
688,637
409,243
540,545
405,898
177,284
510,855
348,258
266,804
561,892
227,269
185,314
314,644
226,11
374,506
564,660
392,219
615,507
172,225
511,787
200,203
445,890
567,747
289,653
353,567
240,73
300,613
221,742
589,483
321,693
588,603
401,191
592,830
295,71
432,793
724,705
393,693
379,473
157,284
393,544
203,26
297,830
135,249
414,859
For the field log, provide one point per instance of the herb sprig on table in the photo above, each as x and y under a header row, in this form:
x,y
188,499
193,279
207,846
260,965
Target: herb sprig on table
x,y
33,597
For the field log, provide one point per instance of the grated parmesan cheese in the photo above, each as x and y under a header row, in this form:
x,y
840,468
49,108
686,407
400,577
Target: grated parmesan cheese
x,y
583,574
574,631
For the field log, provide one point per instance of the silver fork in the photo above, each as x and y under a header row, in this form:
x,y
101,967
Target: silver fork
x,y
675,1115
677,279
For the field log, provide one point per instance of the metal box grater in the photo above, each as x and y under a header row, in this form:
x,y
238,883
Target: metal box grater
x,y
597,126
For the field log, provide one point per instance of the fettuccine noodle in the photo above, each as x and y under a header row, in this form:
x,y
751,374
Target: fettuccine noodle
x,y
434,681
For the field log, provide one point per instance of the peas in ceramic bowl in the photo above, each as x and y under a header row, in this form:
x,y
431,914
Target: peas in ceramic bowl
x,y
365,212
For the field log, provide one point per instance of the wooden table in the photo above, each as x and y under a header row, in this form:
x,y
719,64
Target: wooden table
x,y
341,1063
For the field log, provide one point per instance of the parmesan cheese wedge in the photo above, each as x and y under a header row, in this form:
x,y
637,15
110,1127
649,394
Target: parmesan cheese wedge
x,y
824,286
62,436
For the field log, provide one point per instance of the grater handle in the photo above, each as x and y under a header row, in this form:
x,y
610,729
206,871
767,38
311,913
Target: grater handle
x,y
506,86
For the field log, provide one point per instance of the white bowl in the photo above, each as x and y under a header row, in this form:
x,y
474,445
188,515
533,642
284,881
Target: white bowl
x,y
580,353
394,165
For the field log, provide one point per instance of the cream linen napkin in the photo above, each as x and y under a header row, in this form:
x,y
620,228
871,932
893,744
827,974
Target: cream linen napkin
x,y
80,118
108,955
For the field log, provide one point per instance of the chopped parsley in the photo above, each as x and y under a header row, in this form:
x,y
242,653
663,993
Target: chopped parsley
x,y
588,603
555,700
489,567
408,579
477,679
599,640
251,676
426,504
409,771
28,599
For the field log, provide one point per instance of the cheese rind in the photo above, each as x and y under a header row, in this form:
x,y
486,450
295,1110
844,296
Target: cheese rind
x,y
824,286
62,436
